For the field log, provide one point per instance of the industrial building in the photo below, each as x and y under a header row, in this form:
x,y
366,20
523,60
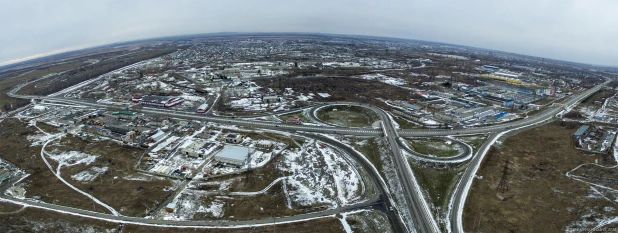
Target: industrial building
x,y
160,101
490,68
580,132
406,114
202,108
594,139
232,138
265,145
271,99
39,108
197,149
236,155
127,115
465,114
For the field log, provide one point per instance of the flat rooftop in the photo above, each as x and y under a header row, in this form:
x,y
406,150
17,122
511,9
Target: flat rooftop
x,y
235,152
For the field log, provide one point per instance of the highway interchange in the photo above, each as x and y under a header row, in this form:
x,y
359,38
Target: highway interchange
x,y
423,221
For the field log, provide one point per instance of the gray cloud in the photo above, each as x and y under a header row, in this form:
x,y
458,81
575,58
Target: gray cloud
x,y
576,30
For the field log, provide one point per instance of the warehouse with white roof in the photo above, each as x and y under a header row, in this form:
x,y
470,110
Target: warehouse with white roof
x,y
236,155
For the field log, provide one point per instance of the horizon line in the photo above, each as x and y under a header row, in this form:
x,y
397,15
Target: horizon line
x,y
31,58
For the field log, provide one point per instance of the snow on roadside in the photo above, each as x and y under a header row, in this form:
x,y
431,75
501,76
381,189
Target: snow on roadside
x,y
345,224
39,140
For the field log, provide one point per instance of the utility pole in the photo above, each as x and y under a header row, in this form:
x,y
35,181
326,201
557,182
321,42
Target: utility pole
x,y
503,185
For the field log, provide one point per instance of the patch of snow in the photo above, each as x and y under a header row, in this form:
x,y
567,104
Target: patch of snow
x,y
71,158
215,209
89,174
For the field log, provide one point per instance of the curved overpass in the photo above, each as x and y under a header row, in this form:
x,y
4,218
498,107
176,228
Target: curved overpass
x,y
423,220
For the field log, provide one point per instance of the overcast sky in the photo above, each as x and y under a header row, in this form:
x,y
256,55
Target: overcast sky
x,y
575,30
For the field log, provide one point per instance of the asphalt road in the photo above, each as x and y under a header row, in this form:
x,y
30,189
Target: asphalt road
x,y
211,223
422,217
461,190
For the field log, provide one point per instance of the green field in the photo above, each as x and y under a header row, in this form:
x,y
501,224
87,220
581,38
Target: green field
x,y
474,141
431,146
345,118
370,149
439,184
405,124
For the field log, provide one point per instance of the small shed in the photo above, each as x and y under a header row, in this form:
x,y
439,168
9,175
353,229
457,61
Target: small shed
x,y
171,207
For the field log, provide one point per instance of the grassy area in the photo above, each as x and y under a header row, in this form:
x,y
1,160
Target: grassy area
x,y
539,198
371,150
8,207
39,220
345,118
286,139
369,221
272,203
474,141
432,146
597,98
439,184
594,173
7,84
405,124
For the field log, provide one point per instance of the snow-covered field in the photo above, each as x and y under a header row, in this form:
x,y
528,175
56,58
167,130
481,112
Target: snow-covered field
x,y
71,158
384,79
40,139
319,175
316,175
89,174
